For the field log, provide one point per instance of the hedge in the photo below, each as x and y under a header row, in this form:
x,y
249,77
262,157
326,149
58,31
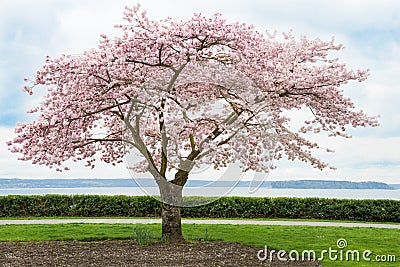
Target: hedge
x,y
225,207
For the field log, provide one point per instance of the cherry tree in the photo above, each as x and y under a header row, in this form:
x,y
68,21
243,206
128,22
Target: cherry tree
x,y
184,93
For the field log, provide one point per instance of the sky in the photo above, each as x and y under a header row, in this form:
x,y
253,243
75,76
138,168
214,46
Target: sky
x,y
369,30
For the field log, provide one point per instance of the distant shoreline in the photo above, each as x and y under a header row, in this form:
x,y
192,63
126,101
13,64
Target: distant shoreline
x,y
8,183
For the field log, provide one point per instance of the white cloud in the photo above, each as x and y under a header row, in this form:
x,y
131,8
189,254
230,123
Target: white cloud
x,y
356,159
340,15
81,25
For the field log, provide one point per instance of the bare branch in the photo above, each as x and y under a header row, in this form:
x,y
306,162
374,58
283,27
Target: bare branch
x,y
164,140
192,143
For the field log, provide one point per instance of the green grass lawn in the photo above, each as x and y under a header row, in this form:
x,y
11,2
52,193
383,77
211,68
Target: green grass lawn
x,y
379,241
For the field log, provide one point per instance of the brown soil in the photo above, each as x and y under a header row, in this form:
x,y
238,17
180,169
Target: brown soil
x,y
128,253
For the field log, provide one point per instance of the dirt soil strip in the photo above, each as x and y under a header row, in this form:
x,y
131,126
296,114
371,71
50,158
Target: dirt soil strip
x,y
128,253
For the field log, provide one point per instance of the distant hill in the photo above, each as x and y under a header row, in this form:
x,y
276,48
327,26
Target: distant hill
x,y
395,186
65,183
323,184
129,182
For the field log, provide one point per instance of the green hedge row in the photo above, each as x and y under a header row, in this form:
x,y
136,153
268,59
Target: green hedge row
x,y
300,208
78,205
226,207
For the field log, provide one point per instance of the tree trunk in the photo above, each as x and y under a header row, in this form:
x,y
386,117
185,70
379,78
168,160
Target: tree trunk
x,y
171,201
171,223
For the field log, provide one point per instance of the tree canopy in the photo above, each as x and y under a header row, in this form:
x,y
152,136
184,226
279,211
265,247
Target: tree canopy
x,y
201,90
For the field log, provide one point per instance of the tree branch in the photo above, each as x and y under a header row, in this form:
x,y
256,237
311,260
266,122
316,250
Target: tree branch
x,y
164,140
86,114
